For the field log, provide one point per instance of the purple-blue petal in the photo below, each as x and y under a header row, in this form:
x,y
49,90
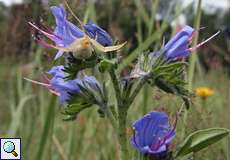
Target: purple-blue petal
x,y
97,33
152,133
64,88
64,29
57,71
178,46
66,32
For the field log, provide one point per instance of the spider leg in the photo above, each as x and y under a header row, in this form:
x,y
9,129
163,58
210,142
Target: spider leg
x,y
106,49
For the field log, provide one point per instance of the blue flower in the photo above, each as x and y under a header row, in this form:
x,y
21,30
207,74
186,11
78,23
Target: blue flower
x,y
152,133
65,88
178,46
57,71
97,33
67,31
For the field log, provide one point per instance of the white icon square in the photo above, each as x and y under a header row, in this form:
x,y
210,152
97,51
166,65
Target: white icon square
x,y
10,148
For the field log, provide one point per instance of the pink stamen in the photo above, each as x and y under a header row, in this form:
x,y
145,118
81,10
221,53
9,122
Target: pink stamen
x,y
54,92
39,83
202,43
48,35
48,86
47,29
50,31
47,45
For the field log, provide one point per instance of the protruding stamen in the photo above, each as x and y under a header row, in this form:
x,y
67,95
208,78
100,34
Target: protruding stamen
x,y
50,31
48,35
47,45
54,92
39,83
43,43
202,43
48,86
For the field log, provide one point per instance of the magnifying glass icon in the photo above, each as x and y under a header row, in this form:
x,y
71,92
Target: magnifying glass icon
x,y
9,147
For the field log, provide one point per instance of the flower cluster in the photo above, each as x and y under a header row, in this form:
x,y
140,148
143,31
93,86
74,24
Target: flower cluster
x,y
70,38
65,88
176,48
76,91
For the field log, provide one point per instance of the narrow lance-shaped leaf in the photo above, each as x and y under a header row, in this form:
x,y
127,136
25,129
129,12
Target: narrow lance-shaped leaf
x,y
201,139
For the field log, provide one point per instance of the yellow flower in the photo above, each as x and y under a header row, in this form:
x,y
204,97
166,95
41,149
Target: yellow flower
x,y
204,92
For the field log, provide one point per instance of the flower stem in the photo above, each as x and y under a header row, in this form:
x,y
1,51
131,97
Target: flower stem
x,y
137,90
122,116
111,118
122,136
115,84
123,104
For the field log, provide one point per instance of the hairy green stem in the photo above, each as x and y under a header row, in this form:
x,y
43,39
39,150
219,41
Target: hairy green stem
x,y
115,84
122,116
122,136
123,104
137,90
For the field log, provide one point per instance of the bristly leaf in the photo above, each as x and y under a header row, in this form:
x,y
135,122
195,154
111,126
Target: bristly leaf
x,y
201,139
169,67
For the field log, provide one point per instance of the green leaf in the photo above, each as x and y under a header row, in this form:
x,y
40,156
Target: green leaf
x,y
201,139
169,67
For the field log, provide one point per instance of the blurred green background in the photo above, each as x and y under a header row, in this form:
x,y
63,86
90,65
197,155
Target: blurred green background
x,y
30,112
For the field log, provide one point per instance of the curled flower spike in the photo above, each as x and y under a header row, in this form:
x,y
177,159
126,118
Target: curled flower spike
x,y
58,86
178,46
69,38
152,133
65,88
